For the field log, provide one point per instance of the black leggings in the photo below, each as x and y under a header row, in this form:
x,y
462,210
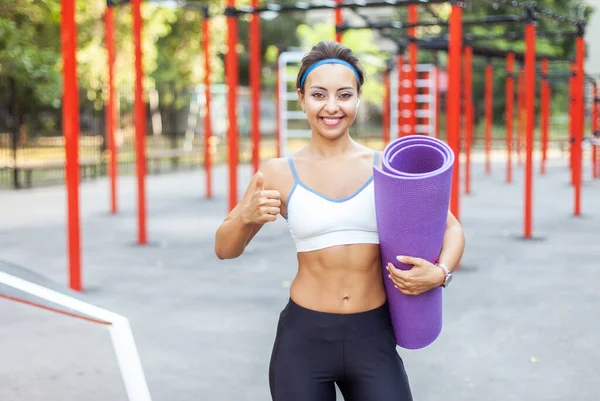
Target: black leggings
x,y
313,350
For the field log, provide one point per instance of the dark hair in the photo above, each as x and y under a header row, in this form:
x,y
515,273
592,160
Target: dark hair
x,y
325,50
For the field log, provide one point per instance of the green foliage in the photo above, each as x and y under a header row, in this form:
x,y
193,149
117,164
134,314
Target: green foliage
x,y
171,40
27,53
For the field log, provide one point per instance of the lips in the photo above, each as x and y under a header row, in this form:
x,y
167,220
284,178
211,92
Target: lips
x,y
331,121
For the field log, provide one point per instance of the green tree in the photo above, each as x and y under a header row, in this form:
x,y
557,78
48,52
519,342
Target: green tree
x,y
28,54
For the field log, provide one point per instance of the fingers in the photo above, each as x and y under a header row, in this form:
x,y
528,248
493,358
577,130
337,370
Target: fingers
x,y
399,277
409,260
403,281
269,198
270,193
267,218
269,210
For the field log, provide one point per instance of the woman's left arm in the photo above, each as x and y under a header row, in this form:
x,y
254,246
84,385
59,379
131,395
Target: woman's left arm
x,y
453,245
424,275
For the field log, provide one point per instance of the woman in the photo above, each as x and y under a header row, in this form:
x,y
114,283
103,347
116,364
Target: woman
x,y
336,326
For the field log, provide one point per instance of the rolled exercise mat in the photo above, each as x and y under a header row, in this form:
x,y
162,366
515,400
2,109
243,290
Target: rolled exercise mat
x,y
412,196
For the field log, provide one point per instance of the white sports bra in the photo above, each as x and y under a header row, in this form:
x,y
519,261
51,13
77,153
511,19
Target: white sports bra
x,y
317,221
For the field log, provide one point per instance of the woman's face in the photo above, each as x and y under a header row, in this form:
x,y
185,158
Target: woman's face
x,y
330,99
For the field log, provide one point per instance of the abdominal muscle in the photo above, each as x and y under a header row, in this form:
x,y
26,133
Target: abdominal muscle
x,y
341,279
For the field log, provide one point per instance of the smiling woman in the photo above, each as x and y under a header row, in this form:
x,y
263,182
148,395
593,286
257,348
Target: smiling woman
x,y
336,327
329,85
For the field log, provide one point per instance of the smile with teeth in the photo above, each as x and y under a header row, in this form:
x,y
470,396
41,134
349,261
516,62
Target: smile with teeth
x,y
331,121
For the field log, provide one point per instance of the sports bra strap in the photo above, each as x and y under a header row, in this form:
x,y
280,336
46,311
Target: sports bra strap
x,y
293,168
376,161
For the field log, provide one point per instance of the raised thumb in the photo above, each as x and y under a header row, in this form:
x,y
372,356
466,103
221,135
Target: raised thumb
x,y
260,181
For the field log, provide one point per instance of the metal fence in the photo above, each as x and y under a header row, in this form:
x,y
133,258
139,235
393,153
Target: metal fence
x,y
559,130
32,147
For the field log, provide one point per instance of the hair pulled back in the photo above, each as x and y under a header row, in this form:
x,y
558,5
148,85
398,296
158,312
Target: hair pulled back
x,y
325,50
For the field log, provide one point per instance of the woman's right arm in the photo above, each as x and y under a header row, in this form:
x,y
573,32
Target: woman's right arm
x,y
257,207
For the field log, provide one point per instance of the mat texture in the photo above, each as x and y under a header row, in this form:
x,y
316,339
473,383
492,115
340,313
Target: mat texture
x,y
412,195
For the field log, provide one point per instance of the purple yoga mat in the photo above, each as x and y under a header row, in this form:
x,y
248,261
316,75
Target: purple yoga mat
x,y
412,195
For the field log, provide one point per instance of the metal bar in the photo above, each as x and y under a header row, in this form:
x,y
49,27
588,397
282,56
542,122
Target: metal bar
x,y
437,97
469,111
70,115
595,164
302,6
572,120
338,21
413,52
519,36
400,106
232,71
536,12
207,106
386,107
530,123
579,115
453,104
510,98
140,121
109,24
491,20
489,93
255,67
545,114
280,99
481,51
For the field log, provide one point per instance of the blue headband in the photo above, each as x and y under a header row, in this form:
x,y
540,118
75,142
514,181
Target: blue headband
x,y
328,61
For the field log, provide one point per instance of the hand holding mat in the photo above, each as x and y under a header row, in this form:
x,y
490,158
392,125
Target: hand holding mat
x,y
412,196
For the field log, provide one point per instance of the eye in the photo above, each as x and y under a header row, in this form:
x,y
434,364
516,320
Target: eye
x,y
346,95
317,95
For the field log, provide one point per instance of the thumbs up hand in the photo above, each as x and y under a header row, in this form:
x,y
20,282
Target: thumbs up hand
x,y
264,205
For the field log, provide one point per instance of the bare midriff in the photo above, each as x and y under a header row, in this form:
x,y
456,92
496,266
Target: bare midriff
x,y
340,279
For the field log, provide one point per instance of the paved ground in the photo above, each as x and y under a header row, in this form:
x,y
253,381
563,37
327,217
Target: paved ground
x,y
520,320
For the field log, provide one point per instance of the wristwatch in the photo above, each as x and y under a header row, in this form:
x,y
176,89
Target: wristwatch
x,y
447,272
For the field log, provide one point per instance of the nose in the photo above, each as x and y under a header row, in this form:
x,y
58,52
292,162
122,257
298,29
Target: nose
x,y
332,106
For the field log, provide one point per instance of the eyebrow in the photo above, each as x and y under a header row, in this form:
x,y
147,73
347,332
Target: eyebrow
x,y
341,89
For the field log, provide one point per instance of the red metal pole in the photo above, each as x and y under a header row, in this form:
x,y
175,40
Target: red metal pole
x,y
232,70
489,83
255,67
207,107
70,116
338,21
140,121
413,55
580,111
510,96
109,23
426,92
545,114
277,112
386,107
438,107
468,107
401,105
530,50
572,119
453,108
520,118
595,172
